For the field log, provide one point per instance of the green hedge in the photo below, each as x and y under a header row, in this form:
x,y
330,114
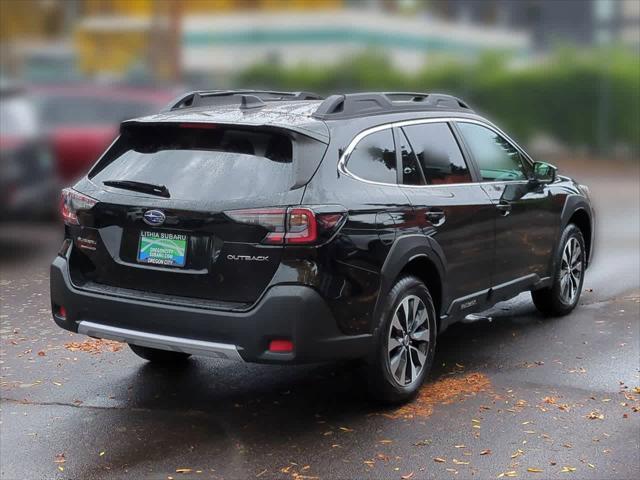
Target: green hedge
x,y
583,99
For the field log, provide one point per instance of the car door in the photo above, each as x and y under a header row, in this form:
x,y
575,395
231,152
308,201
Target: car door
x,y
453,209
524,211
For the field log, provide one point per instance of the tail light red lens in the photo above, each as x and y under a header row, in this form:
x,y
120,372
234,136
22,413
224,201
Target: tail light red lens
x,y
292,226
301,226
273,219
72,202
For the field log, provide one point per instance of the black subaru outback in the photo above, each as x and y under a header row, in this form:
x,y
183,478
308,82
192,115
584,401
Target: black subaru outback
x,y
282,227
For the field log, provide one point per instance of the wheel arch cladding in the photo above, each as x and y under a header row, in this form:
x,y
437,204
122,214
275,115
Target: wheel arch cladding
x,y
580,218
423,268
419,256
577,210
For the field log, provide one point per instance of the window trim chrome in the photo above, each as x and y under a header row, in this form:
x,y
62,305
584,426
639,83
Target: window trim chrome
x,y
342,161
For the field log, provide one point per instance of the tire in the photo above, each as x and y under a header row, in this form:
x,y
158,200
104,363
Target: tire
x,y
160,357
563,295
395,344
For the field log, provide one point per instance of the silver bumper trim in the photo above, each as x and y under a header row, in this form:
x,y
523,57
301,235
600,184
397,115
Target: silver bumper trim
x,y
162,342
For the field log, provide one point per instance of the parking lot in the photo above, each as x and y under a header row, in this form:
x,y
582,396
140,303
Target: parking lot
x,y
521,396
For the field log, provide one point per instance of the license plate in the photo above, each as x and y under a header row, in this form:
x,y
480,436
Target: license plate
x,y
162,248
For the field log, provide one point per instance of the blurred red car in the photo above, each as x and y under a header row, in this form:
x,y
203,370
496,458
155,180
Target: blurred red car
x,y
83,120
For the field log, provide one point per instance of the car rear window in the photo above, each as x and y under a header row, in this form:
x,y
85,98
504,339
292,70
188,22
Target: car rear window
x,y
197,163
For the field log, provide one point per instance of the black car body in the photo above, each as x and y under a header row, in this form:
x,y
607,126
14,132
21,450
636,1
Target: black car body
x,y
304,220
29,185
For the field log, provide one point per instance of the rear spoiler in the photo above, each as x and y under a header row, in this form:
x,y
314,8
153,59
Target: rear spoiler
x,y
313,129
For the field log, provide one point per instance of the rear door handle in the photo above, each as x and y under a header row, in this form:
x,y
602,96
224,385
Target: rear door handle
x,y
504,208
436,217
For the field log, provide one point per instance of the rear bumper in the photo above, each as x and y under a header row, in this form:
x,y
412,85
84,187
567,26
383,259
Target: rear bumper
x,y
294,312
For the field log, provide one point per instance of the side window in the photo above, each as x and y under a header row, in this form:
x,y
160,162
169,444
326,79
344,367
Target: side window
x,y
438,153
374,158
411,171
497,159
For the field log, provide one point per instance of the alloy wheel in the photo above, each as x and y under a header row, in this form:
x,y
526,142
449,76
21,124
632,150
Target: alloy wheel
x,y
570,270
408,340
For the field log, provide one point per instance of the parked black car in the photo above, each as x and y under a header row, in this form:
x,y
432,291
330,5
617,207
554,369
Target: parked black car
x,y
29,186
280,227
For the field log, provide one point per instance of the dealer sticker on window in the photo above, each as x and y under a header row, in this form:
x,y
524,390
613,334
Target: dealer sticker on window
x,y
162,248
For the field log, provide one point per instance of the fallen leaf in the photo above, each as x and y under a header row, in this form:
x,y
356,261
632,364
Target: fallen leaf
x,y
345,429
534,470
567,469
41,353
385,441
517,453
184,470
511,473
407,476
60,458
443,392
439,460
458,462
422,443
486,452
595,415
101,454
94,346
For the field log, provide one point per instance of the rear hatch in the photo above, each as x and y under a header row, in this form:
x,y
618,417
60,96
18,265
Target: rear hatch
x,y
165,213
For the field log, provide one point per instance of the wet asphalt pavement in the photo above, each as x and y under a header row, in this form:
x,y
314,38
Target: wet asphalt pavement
x,y
521,396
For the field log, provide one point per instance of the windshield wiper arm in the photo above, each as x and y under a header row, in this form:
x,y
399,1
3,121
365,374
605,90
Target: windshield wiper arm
x,y
159,190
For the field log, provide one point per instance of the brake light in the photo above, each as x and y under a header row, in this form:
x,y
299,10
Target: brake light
x,y
301,226
73,202
292,226
270,218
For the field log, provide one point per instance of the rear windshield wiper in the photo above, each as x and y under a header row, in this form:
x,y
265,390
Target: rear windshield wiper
x,y
159,190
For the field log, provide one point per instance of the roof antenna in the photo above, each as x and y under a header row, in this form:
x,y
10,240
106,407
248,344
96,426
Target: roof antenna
x,y
250,101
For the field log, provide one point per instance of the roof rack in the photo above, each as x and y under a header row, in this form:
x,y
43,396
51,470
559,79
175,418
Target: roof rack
x,y
371,103
232,97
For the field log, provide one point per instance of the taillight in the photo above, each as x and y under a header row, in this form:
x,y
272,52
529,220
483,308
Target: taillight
x,y
273,219
72,203
301,226
295,225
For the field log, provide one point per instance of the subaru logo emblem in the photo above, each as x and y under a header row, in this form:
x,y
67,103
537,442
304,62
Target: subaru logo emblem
x,y
154,218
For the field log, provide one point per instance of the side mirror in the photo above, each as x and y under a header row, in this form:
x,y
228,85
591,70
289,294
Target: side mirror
x,y
544,172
